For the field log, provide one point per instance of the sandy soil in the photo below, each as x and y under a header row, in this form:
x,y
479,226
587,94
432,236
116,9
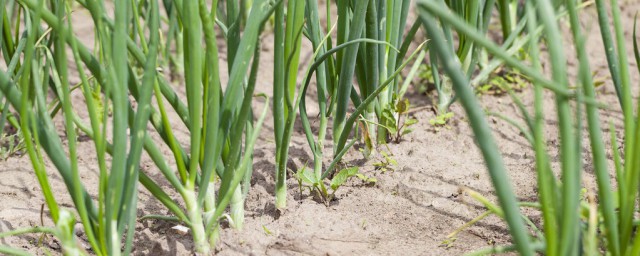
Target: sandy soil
x,y
410,210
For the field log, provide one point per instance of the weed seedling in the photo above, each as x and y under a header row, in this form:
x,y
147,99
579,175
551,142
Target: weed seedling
x,y
11,145
396,125
501,81
441,120
266,230
387,163
367,180
306,178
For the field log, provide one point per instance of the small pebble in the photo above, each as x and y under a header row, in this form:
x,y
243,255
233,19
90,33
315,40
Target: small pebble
x,y
78,229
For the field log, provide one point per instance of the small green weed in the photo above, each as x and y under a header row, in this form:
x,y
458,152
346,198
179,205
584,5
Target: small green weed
x,y
501,81
11,145
398,120
266,230
307,179
441,119
425,76
387,163
367,180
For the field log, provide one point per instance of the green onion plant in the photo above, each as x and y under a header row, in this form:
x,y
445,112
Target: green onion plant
x,y
572,225
385,21
45,68
288,39
211,172
477,14
336,67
